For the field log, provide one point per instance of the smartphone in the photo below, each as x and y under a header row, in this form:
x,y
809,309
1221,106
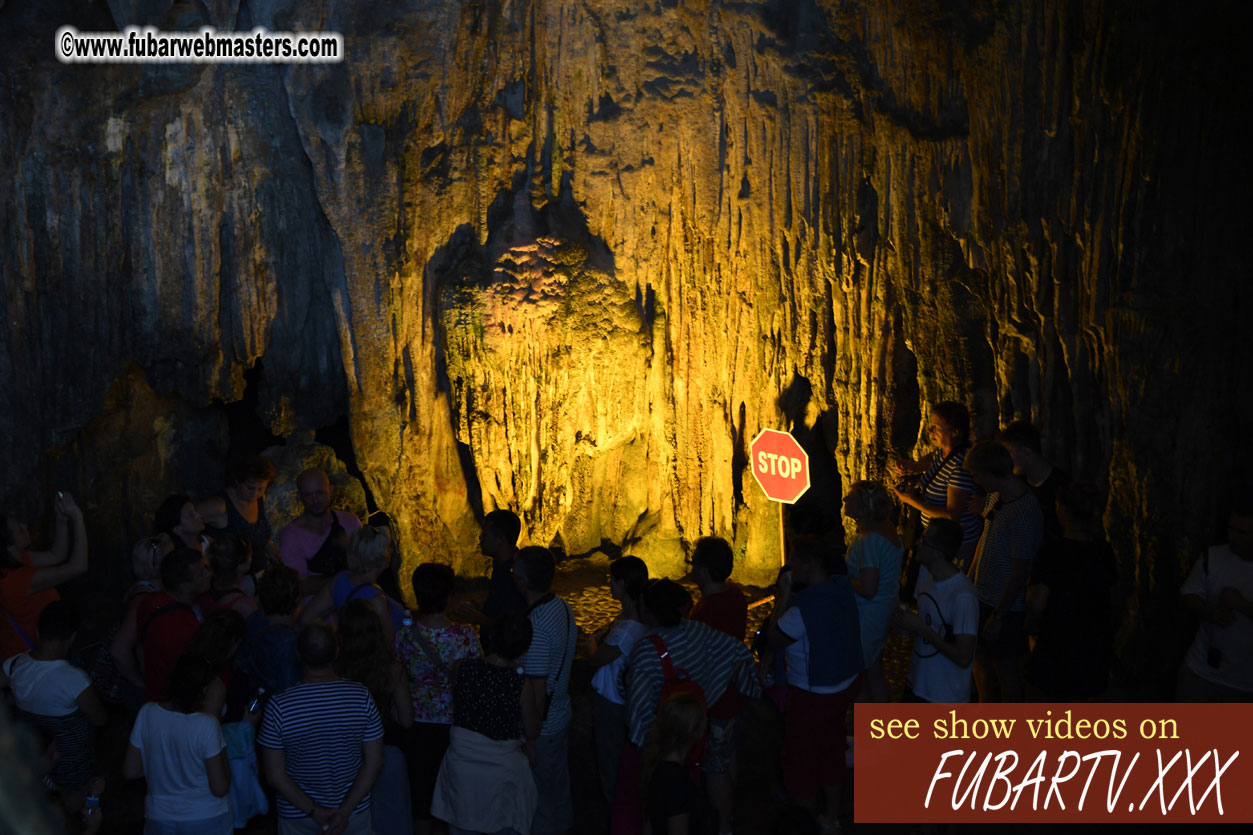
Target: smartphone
x,y
60,495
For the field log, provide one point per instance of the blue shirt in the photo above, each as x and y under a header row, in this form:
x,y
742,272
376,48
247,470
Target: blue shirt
x,y
268,654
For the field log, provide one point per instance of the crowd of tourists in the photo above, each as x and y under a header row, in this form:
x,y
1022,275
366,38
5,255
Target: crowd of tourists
x,y
286,680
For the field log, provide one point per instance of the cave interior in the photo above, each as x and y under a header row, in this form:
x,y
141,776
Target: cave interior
x,y
570,258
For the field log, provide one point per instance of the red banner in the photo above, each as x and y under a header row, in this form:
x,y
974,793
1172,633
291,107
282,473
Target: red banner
x,y
1063,763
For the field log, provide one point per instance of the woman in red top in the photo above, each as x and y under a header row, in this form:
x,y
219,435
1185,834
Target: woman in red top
x,y
28,578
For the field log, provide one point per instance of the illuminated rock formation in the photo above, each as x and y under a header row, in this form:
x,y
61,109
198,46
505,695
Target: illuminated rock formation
x,y
570,257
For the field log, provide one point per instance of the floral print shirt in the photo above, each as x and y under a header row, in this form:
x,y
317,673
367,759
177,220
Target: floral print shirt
x,y
429,682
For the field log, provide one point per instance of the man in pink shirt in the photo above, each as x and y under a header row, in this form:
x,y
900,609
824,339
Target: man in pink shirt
x,y
304,536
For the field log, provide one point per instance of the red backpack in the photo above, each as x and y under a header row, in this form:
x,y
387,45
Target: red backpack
x,y
678,682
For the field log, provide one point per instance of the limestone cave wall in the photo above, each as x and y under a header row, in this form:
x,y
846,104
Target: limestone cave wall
x,y
569,257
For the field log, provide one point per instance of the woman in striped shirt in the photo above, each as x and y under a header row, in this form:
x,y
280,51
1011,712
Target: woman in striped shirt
x,y
946,489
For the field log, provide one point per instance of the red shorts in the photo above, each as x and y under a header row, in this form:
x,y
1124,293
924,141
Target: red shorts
x,y
814,741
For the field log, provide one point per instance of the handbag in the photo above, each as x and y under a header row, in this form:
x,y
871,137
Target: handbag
x,y
431,654
332,557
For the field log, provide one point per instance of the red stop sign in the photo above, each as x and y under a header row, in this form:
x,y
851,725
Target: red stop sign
x,y
780,466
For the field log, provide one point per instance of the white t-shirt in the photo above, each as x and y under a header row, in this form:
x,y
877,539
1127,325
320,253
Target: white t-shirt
x,y
174,747
796,655
608,679
932,676
1234,642
45,688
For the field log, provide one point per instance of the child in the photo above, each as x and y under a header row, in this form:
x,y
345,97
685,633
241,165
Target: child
x,y
670,793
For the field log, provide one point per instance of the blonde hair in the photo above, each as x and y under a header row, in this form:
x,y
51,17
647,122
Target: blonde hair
x,y
368,550
873,499
680,723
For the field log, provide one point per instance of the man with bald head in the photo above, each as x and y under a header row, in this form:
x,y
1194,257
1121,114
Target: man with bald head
x,y
318,528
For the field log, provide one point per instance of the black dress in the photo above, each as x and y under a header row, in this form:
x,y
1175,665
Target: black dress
x,y
488,699
257,533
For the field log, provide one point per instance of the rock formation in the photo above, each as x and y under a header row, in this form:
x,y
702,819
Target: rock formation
x,y
569,257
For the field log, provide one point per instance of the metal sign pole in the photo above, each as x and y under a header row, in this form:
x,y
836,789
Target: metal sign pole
x,y
782,539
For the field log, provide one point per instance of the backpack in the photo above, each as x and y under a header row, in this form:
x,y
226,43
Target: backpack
x,y
102,669
332,557
98,657
176,606
677,682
